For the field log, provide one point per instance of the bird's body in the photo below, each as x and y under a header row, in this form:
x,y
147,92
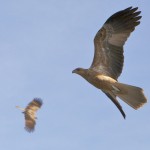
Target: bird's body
x,y
30,113
98,80
108,59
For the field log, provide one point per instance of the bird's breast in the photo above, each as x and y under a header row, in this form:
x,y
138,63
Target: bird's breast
x,y
102,82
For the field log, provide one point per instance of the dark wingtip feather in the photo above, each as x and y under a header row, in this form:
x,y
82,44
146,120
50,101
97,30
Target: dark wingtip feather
x,y
124,115
125,12
138,17
38,100
29,129
134,9
137,13
129,8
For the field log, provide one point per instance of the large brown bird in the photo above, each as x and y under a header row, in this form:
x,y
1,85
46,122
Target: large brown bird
x,y
30,113
108,59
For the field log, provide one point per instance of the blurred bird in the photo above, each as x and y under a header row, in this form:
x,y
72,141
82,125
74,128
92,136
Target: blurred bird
x,y
108,59
30,113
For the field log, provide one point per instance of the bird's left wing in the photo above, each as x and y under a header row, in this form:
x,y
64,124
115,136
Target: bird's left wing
x,y
109,41
115,101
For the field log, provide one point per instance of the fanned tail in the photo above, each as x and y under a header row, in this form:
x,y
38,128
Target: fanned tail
x,y
132,95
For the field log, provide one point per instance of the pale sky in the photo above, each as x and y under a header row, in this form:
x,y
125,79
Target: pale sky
x,y
41,42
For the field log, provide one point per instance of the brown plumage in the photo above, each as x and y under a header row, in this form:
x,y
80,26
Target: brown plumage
x,y
108,59
30,113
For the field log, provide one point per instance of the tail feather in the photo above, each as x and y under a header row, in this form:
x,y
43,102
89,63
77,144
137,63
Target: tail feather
x,y
132,95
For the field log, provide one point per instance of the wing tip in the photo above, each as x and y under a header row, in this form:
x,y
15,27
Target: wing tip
x,y
38,100
30,130
124,115
132,8
129,8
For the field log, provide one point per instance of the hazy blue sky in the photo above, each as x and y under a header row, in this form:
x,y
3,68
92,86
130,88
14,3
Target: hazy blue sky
x,y
41,42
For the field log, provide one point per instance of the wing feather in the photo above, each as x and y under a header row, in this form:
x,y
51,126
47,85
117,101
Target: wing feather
x,y
35,104
109,41
115,101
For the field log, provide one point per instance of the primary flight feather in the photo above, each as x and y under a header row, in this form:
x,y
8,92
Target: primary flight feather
x,y
30,113
108,59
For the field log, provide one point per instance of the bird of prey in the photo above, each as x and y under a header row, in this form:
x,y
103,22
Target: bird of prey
x,y
108,59
30,113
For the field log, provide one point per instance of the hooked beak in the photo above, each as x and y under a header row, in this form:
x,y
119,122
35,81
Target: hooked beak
x,y
74,71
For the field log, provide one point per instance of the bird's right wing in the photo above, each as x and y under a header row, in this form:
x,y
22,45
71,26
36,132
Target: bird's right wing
x,y
109,41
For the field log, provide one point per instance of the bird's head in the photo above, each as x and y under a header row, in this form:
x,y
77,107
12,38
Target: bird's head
x,y
79,71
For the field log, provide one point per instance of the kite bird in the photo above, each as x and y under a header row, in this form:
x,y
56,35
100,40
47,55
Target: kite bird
x,y
30,113
108,59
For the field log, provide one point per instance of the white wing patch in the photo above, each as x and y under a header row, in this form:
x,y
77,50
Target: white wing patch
x,y
115,89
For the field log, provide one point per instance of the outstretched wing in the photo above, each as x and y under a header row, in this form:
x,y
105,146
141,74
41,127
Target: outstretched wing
x,y
30,114
109,41
35,104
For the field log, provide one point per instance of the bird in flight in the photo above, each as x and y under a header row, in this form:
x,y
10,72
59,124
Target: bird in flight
x,y
108,59
30,113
